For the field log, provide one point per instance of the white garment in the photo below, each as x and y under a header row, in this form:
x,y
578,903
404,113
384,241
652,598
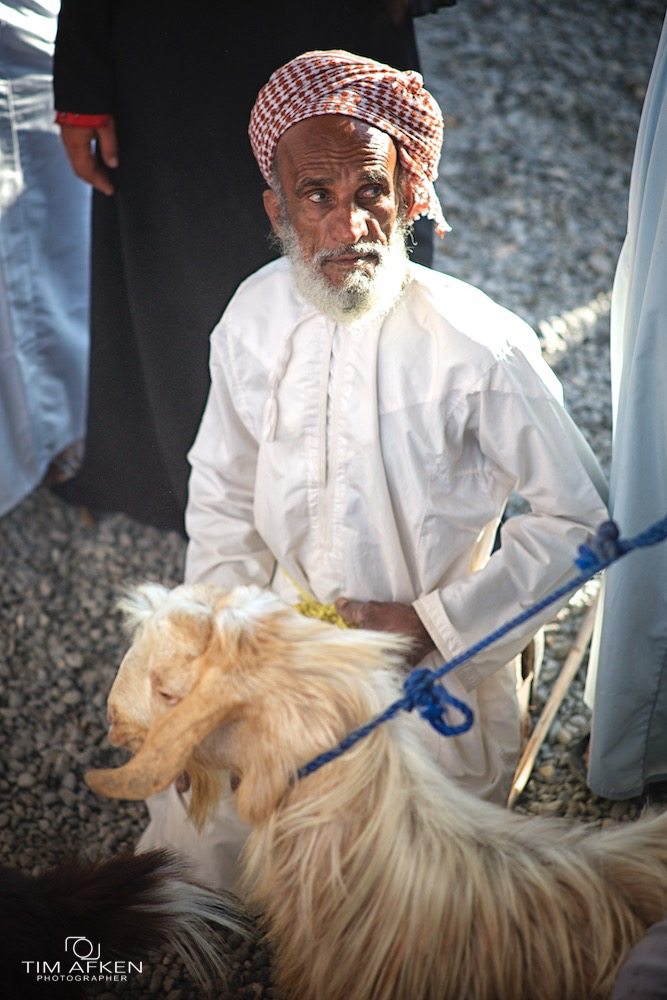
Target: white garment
x,y
627,672
33,23
432,418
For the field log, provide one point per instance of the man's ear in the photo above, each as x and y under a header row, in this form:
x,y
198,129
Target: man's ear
x,y
409,207
272,208
409,202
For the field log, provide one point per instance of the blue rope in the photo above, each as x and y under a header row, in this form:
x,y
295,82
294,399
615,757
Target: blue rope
x,y
433,701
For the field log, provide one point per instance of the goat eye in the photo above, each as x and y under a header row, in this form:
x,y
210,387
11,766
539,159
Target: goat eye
x,y
169,698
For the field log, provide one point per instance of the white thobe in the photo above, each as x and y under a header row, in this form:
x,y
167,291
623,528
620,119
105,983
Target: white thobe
x,y
627,673
374,462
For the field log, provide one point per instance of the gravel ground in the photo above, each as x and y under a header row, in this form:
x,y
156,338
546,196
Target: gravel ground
x,y
542,102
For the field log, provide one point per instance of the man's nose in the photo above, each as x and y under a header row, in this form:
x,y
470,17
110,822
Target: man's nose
x,y
350,223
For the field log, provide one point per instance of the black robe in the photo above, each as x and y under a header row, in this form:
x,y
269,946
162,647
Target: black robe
x,y
186,223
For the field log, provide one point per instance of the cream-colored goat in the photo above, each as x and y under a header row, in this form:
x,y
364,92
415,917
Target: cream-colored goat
x,y
379,878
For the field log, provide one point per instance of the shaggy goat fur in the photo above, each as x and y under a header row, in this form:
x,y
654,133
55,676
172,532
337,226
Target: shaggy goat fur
x,y
377,875
124,906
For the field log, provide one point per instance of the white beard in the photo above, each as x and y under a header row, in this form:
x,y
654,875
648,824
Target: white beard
x,y
361,296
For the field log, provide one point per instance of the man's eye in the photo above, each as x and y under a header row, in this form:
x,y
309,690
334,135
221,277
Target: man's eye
x,y
317,196
372,192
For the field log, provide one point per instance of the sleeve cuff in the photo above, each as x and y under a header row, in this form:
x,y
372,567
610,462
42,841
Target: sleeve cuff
x,y
433,618
81,121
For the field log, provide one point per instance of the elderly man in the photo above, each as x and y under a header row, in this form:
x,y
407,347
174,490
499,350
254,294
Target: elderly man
x,y
368,419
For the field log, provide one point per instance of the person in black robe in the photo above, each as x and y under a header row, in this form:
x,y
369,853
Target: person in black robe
x,y
185,223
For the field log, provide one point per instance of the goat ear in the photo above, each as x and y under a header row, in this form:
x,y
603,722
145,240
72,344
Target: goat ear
x,y
170,743
264,781
138,603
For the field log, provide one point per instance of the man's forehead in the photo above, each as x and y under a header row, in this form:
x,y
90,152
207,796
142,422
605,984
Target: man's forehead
x,y
324,143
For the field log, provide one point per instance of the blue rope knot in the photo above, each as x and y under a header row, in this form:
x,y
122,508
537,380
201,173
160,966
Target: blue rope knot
x,y
432,700
603,549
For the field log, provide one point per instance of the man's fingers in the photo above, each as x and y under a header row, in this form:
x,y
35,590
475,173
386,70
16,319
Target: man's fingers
x,y
100,179
350,611
78,143
108,145
388,616
385,616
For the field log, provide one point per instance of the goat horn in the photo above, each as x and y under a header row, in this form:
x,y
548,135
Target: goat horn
x,y
167,748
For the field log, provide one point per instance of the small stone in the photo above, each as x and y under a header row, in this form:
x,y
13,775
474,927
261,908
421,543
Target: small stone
x,y
551,807
155,984
547,771
68,797
70,781
619,810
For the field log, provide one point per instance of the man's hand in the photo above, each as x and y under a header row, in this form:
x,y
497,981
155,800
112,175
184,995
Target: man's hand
x,y
389,616
78,143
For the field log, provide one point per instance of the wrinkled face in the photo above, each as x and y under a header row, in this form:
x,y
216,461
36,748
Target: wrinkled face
x,y
340,182
338,213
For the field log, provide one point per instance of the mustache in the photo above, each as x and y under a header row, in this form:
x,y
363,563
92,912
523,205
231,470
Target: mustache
x,y
368,249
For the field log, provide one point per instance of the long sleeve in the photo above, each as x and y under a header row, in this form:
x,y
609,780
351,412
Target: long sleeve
x,y
527,437
82,70
225,547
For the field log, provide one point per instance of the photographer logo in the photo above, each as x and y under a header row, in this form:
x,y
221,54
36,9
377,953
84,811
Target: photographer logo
x,y
85,948
84,963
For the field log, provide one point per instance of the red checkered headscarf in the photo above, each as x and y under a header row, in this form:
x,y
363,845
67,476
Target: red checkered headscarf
x,y
339,83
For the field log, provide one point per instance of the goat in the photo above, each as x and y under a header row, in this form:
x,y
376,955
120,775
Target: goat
x,y
377,876
56,928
